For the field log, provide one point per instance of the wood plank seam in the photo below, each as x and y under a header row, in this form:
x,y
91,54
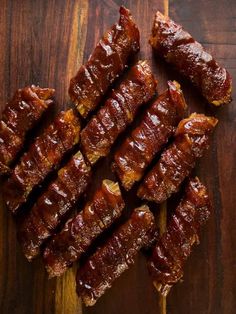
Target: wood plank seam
x,y
163,207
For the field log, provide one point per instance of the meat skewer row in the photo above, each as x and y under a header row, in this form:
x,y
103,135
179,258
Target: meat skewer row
x,y
44,154
190,141
158,124
106,63
179,48
118,112
19,116
174,247
67,246
115,256
140,67
53,205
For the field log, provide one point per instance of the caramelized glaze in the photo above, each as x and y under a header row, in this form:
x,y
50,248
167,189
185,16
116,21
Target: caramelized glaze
x,y
179,48
79,232
116,255
44,154
105,64
19,116
146,140
118,112
191,140
175,245
53,205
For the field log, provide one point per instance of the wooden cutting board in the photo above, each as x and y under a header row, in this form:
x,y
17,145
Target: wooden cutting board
x,y
44,42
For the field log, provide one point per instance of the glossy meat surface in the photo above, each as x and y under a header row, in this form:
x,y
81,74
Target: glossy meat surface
x,y
105,64
146,140
114,257
118,112
179,48
4,170
191,140
19,116
49,211
79,231
44,154
175,245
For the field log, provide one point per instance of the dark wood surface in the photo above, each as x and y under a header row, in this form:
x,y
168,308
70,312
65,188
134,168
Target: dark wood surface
x,y
44,42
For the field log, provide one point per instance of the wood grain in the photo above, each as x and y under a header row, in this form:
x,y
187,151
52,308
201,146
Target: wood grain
x,y
44,42
208,284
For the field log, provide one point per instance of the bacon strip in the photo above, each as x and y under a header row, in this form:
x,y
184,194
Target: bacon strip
x,y
174,247
179,48
116,255
44,155
53,205
118,112
4,170
176,162
79,232
19,116
158,124
106,63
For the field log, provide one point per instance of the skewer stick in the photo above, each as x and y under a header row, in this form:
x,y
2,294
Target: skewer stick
x,y
166,7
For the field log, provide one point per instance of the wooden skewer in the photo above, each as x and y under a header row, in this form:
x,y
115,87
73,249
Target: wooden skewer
x,y
166,7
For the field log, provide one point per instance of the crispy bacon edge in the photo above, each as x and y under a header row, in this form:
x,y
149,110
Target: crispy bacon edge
x,y
118,112
191,139
105,64
174,247
81,230
116,255
179,48
43,156
19,116
53,205
148,138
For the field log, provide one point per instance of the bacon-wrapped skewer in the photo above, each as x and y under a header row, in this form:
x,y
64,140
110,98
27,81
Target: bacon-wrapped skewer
x,y
116,255
158,124
51,208
79,232
118,112
174,247
44,155
176,162
105,64
179,48
19,116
